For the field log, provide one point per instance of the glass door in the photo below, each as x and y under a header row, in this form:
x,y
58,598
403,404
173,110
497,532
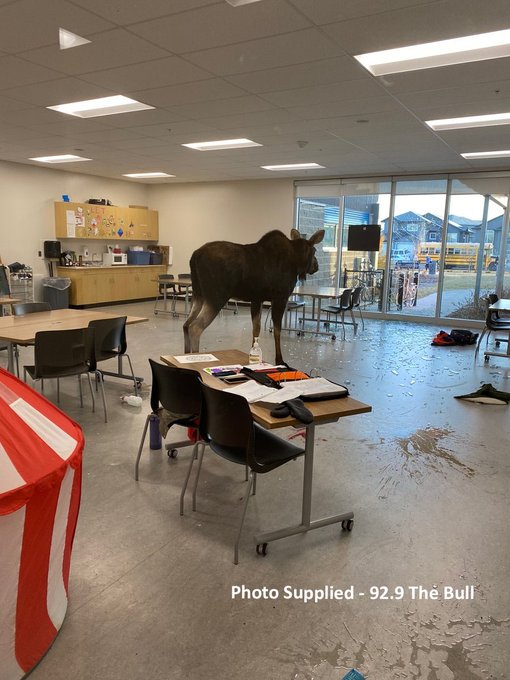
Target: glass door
x,y
472,256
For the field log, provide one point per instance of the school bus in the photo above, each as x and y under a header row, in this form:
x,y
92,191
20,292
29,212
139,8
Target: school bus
x,y
458,255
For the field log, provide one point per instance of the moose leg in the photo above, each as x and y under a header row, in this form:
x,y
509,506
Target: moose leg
x,y
195,310
198,325
277,311
256,310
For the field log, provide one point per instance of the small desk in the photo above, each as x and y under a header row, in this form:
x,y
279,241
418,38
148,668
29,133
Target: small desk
x,y
21,330
327,411
175,283
502,305
319,293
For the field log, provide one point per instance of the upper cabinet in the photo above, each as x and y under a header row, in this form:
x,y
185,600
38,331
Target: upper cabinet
x,y
84,220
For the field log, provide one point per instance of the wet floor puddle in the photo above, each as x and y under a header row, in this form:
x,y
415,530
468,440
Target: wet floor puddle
x,y
427,450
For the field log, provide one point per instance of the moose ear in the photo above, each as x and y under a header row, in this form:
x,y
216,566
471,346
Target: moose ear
x,y
317,237
294,234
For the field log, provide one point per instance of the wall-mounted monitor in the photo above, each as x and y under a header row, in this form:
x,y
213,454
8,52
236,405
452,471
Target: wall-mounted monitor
x,y
364,237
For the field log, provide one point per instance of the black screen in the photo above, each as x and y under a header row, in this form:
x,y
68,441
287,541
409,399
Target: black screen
x,y
363,237
4,282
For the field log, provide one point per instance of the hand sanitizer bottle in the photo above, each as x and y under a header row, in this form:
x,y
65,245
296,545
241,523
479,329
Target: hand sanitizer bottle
x,y
255,356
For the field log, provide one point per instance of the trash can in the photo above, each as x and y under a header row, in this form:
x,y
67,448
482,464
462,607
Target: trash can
x,y
56,292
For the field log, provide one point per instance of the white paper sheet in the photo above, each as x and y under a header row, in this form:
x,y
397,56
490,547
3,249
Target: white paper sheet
x,y
195,358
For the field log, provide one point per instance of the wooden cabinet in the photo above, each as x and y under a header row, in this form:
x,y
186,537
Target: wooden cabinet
x,y
100,285
83,220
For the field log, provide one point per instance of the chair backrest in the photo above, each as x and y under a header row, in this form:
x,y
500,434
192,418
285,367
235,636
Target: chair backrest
x,y
184,276
166,281
356,296
21,308
109,337
345,299
226,420
176,389
60,353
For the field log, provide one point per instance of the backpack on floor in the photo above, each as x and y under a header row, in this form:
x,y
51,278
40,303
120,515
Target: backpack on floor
x,y
462,337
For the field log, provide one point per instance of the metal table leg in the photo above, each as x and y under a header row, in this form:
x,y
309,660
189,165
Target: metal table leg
x,y
307,524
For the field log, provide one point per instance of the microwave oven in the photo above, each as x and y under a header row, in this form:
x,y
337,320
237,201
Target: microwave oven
x,y
110,259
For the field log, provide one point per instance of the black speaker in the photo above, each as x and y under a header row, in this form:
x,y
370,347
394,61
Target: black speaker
x,y
52,250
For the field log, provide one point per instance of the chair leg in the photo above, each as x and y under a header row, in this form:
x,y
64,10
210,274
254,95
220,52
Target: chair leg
x,y
91,392
58,392
100,380
354,324
188,474
195,485
480,341
132,373
140,448
254,490
361,317
343,325
243,515
79,387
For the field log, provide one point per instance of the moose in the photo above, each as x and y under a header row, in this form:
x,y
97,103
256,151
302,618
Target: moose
x,y
256,272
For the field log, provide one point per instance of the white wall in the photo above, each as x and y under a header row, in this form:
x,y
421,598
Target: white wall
x,y
189,214
240,211
27,195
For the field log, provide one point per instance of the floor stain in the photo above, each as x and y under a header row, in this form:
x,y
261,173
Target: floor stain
x,y
419,453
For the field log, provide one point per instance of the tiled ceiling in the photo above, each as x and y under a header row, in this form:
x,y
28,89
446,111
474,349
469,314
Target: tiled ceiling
x,y
280,72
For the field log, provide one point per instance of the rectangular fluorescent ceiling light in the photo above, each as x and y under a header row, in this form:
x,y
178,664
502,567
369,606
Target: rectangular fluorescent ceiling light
x,y
486,154
104,106
441,53
292,166
222,144
469,121
238,3
148,175
65,158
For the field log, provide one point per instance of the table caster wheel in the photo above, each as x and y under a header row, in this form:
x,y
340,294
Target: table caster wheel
x,y
172,453
347,524
138,384
486,359
333,337
262,549
497,343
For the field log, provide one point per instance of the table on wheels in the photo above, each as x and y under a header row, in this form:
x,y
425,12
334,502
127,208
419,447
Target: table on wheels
x,y
326,411
21,330
502,305
318,294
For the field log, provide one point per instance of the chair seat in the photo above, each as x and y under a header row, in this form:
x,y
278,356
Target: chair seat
x,y
55,372
270,450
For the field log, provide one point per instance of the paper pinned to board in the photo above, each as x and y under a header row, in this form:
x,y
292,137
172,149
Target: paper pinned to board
x,y
195,358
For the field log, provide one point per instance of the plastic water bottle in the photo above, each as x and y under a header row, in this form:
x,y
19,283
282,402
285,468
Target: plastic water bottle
x,y
255,355
131,400
154,432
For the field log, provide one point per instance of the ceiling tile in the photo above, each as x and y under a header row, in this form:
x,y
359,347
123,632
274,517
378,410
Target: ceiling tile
x,y
191,31
328,11
324,94
52,92
223,107
418,24
300,75
38,24
124,12
293,48
149,74
16,72
106,50
190,93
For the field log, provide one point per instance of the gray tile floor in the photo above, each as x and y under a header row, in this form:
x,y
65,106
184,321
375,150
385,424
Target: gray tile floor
x,y
426,475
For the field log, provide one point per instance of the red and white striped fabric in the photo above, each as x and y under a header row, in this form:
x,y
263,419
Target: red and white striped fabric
x,y
40,487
